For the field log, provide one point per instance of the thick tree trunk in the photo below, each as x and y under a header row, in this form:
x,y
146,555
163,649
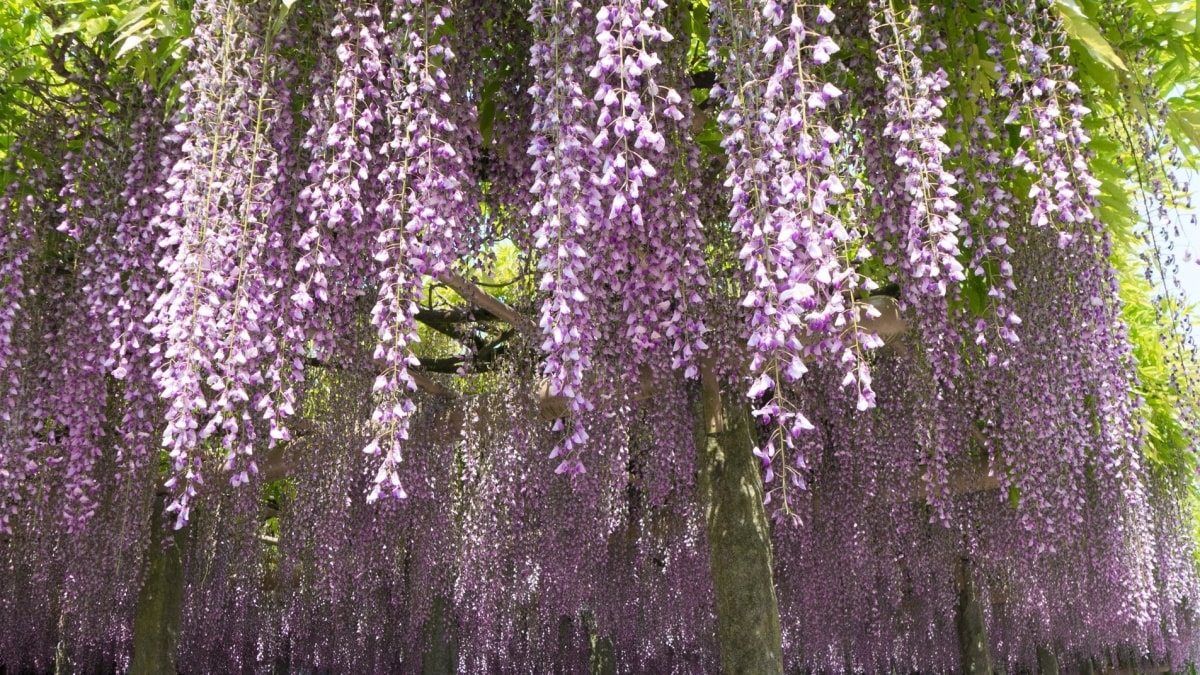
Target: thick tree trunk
x,y
602,660
62,660
602,657
441,649
738,538
1047,661
566,646
972,634
160,602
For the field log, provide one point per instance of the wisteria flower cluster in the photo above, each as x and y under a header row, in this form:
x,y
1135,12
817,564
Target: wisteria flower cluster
x,y
798,252
862,238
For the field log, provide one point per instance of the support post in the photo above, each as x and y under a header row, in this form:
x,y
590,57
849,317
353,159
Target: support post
x,y
738,537
160,602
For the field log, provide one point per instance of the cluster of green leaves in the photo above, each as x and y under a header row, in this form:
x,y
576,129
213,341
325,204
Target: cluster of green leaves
x,y
138,34
51,49
1139,63
24,68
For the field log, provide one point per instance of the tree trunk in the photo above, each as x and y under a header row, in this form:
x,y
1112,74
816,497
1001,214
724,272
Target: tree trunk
x,y
160,602
441,649
738,538
1047,661
602,659
972,634
566,646
62,660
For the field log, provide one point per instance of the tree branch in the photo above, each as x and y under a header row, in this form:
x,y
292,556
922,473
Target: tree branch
x,y
446,321
484,355
486,301
430,386
424,383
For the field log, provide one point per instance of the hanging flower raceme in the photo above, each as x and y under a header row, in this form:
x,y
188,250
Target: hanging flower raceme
x,y
16,246
918,221
568,206
110,296
798,251
621,243
650,253
924,230
14,252
74,378
1042,93
346,140
990,215
680,241
130,358
214,319
426,216
58,393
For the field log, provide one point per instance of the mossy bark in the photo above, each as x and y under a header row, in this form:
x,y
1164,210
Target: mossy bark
x,y
160,602
739,539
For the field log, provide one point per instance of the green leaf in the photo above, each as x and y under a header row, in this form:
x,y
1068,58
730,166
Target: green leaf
x,y
135,29
66,28
710,139
699,22
129,44
975,291
1185,123
125,25
21,73
487,119
95,27
1081,28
